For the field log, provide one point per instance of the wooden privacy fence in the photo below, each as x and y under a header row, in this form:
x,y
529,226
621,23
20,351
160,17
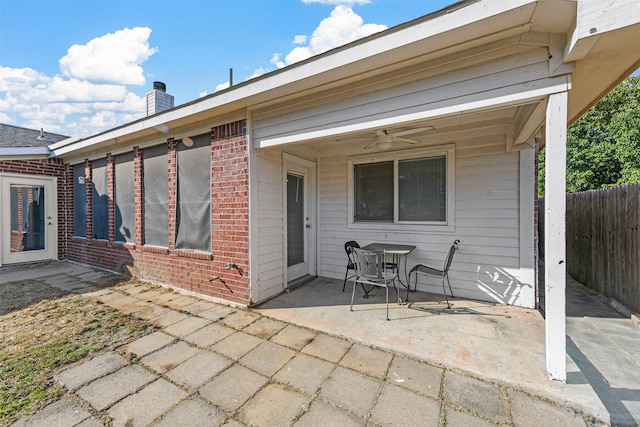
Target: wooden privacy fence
x,y
603,242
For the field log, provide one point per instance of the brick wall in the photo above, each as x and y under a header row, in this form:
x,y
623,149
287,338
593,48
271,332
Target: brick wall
x,y
48,168
204,273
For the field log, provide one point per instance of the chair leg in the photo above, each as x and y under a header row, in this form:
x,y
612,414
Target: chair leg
x,y
353,294
387,289
345,279
444,292
450,290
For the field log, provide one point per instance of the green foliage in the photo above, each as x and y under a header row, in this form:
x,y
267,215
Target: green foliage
x,y
603,146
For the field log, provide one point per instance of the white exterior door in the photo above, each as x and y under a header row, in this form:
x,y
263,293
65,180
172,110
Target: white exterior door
x,y
299,198
28,223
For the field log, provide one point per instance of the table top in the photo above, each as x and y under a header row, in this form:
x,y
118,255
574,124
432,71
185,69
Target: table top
x,y
390,248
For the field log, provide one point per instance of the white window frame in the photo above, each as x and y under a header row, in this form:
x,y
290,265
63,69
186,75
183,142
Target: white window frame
x,y
448,225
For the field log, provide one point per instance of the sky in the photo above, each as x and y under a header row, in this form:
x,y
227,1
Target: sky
x,y
80,67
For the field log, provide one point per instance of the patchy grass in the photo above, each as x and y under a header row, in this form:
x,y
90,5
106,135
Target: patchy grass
x,y
39,339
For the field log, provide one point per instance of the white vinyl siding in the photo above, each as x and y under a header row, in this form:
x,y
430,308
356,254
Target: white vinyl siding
x,y
487,266
268,268
434,90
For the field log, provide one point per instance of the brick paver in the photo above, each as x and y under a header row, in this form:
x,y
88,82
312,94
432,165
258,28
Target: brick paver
x,y
233,387
194,372
96,367
107,390
142,408
147,344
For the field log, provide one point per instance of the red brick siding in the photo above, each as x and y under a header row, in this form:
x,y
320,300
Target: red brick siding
x,y
48,168
203,273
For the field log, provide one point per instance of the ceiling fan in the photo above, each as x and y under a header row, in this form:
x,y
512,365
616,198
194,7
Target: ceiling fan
x,y
383,139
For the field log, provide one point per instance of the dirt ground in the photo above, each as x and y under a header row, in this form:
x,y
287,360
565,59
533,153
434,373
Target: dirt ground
x,y
20,295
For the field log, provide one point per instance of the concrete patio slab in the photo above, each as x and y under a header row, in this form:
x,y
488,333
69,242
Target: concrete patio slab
x,y
186,326
479,397
147,344
322,413
358,398
191,412
90,370
294,337
142,408
367,360
273,406
167,358
196,371
208,335
529,412
304,373
109,389
398,406
267,358
233,387
327,347
236,345
62,413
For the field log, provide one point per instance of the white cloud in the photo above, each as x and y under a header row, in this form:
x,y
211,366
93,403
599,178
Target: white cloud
x,y
300,39
113,58
222,86
275,60
89,96
18,79
341,27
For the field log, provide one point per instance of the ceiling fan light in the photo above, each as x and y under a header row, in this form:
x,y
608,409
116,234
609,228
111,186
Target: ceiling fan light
x,y
383,145
383,142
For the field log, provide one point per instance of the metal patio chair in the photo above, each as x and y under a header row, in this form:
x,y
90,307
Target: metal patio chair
x,y
434,272
371,270
348,248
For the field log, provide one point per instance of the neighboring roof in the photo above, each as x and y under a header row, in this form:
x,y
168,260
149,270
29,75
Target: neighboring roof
x,y
14,137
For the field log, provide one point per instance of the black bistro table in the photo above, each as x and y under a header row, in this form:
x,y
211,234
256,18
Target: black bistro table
x,y
398,253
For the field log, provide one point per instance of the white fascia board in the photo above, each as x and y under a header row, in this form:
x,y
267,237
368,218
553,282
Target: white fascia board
x,y
24,151
461,108
64,142
289,80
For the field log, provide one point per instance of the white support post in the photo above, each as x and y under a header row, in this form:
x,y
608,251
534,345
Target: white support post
x,y
554,236
527,231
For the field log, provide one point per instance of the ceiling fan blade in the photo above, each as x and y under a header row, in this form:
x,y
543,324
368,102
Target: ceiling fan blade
x,y
407,140
369,145
412,131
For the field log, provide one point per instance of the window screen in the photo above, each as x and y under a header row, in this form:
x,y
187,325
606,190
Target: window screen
x,y
374,191
79,202
193,212
156,209
100,199
422,191
125,198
